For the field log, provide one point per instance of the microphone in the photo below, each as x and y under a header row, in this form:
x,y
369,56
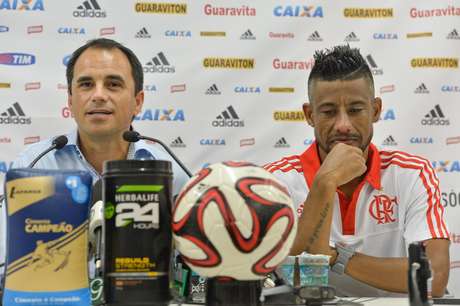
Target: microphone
x,y
96,220
58,143
133,136
419,275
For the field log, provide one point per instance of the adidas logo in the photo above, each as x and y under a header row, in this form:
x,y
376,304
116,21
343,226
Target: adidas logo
x,y
389,141
89,8
315,37
159,64
14,115
421,89
177,143
351,37
143,33
281,143
453,34
373,65
247,35
435,117
213,90
228,118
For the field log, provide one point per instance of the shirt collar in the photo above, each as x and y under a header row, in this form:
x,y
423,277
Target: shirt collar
x,y
311,162
72,140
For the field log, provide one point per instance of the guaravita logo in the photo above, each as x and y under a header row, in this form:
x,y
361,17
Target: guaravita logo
x,y
159,64
435,117
389,141
453,34
248,35
315,37
282,143
14,115
422,89
351,37
143,33
91,9
228,118
373,65
177,143
213,90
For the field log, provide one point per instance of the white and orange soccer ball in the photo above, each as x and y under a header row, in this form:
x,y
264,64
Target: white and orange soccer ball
x,y
234,220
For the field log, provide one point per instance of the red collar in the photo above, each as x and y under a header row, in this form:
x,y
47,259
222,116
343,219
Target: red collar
x,y
311,163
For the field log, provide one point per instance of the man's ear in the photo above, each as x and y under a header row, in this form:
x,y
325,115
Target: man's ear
x,y
307,111
139,102
69,103
377,108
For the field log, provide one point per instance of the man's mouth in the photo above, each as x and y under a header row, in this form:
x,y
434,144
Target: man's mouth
x,y
347,140
99,112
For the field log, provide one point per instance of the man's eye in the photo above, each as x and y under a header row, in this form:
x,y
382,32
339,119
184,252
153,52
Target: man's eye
x,y
328,112
355,110
114,84
84,84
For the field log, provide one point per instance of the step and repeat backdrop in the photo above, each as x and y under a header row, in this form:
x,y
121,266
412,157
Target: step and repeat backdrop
x,y
225,80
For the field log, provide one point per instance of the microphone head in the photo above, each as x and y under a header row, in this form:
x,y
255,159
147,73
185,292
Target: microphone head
x,y
59,142
131,136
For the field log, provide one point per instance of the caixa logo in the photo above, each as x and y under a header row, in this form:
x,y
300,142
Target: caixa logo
x,y
175,33
451,199
446,166
161,115
420,140
450,88
17,59
23,5
4,166
69,30
247,89
212,142
298,11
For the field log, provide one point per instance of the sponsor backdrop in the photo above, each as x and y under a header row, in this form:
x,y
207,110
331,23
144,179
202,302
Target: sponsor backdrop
x,y
226,79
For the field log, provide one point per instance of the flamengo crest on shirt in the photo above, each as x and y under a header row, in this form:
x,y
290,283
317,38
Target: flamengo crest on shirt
x,y
382,209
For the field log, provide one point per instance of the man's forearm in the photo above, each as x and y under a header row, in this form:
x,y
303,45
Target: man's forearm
x,y
391,273
314,226
384,273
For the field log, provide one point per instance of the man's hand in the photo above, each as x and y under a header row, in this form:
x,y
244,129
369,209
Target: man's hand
x,y
342,164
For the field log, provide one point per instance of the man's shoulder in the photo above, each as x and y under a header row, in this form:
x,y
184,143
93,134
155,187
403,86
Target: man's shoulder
x,y
285,164
407,167
154,149
402,159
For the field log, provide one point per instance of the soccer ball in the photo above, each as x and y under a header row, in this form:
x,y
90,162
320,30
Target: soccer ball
x,y
234,220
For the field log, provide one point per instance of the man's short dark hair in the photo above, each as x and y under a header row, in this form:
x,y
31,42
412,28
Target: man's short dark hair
x,y
339,63
108,44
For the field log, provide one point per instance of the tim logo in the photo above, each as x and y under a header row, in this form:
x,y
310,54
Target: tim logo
x,y
17,59
382,209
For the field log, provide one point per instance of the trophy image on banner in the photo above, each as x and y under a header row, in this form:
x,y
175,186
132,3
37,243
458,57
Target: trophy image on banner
x,y
233,222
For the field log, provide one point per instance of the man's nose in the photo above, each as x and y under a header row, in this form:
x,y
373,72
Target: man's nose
x,y
343,123
99,93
